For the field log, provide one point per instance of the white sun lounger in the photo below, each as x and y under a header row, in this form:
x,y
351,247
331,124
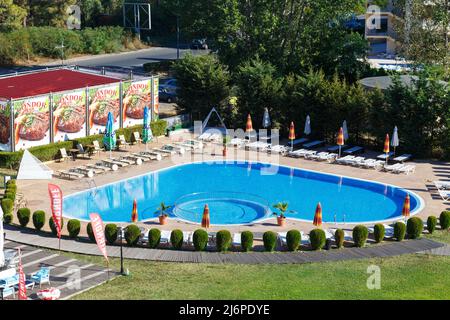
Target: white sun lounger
x,y
150,155
406,169
278,149
403,157
442,185
236,242
297,153
118,163
282,238
127,161
178,149
305,239
383,156
85,171
372,163
136,158
188,237
165,151
95,166
388,231
393,167
258,146
216,137
204,136
445,194
347,236
165,236
237,142
70,175
357,161
345,160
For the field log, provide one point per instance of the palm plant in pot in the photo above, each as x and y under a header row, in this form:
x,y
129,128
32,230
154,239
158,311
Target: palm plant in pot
x,y
163,213
282,208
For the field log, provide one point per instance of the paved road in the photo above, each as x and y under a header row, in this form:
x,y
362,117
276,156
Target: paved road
x,y
128,60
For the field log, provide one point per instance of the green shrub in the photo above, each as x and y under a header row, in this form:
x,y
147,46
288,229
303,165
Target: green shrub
x,y
74,227
111,233
10,195
132,234
246,241
200,239
444,220
431,224
270,240
176,239
23,214
160,66
8,218
339,237
11,182
360,234
7,206
399,230
293,239
379,232
154,237
39,219
317,238
90,232
158,127
414,227
11,159
52,225
223,240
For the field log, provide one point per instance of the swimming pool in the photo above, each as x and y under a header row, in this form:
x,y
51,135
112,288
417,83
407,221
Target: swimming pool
x,y
242,193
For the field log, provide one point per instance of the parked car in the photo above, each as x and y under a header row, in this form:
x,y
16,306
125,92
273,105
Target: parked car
x,y
201,44
168,96
169,84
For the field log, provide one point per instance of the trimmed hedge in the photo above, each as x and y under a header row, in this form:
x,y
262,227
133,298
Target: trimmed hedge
x,y
8,218
339,237
246,241
7,206
378,232
223,240
317,238
53,227
431,224
111,233
414,227
132,234
39,219
23,214
90,232
399,231
360,234
293,239
444,220
200,239
74,227
154,238
270,240
159,66
176,239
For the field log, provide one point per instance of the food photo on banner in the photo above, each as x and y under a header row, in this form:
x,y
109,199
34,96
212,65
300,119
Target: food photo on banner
x,y
69,115
103,100
155,103
31,122
136,96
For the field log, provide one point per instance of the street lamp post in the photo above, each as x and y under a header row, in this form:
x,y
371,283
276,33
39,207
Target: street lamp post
x,y
121,251
178,37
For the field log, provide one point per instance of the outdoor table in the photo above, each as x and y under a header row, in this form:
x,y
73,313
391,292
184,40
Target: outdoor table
x,y
74,153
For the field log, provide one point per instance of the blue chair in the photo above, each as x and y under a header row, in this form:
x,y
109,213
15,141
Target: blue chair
x,y
10,281
42,276
9,291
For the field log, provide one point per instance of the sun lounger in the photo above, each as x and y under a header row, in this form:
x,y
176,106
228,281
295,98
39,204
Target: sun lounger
x,y
87,169
354,150
384,155
84,171
313,144
118,163
165,151
96,145
281,236
300,153
197,143
178,149
403,157
321,156
297,142
236,242
388,231
347,236
81,151
136,160
204,136
335,149
405,169
112,165
95,166
372,163
155,153
123,160
215,137
69,174
442,185
257,146
150,156
237,142
165,236
64,155
137,137
305,238
357,161
123,141
393,167
445,194
190,147
188,237
345,160
278,149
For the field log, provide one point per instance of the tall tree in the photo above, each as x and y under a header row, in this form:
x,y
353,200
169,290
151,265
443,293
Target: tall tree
x,y
11,15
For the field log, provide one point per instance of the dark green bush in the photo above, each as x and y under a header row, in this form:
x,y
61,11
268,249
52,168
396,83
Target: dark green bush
x,y
160,66
74,227
444,220
111,233
317,238
132,234
39,219
23,214
378,232
200,239
270,240
158,127
360,234
399,230
7,206
223,240
431,224
246,241
293,239
176,239
339,237
414,227
90,232
154,237
8,218
11,182
51,223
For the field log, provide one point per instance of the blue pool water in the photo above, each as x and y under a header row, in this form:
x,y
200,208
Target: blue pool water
x,y
239,193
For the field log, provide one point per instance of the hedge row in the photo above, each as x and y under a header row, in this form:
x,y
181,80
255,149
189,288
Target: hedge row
x,y
50,151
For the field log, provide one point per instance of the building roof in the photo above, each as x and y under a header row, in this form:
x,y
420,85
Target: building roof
x,y
44,82
383,83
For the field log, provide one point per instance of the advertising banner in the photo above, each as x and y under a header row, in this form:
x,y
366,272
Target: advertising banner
x,y
31,122
56,201
69,115
136,96
5,126
99,233
22,280
156,98
103,100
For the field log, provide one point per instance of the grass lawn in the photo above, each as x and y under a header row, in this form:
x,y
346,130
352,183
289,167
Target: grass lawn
x,y
402,277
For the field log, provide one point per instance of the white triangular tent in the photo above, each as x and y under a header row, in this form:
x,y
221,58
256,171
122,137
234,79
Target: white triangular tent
x,y
205,122
31,168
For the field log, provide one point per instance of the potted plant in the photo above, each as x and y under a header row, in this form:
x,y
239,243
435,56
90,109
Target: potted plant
x,y
162,213
225,141
282,207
